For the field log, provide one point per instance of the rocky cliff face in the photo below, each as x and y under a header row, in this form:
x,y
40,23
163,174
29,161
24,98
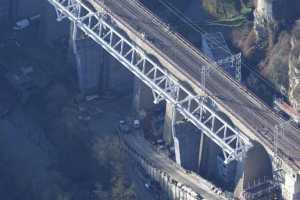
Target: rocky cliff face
x,y
264,11
265,23
274,45
270,43
294,67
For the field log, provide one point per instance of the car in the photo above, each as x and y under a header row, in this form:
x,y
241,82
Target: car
x,y
136,124
148,186
123,127
26,22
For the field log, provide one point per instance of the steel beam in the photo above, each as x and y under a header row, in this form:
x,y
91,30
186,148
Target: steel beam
x,y
99,27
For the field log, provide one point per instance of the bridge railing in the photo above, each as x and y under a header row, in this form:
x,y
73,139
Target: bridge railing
x,y
98,26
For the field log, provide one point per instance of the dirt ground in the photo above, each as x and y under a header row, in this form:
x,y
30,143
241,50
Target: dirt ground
x,y
51,146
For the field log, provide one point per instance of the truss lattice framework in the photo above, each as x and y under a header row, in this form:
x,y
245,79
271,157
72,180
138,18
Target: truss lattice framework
x,y
222,54
97,25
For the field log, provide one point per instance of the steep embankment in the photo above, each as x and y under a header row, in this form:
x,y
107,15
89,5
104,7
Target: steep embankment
x,y
294,67
270,41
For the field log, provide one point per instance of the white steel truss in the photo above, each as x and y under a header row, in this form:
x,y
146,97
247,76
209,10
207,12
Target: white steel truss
x,y
97,26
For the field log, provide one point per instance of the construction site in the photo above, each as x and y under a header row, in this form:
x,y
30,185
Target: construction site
x,y
133,99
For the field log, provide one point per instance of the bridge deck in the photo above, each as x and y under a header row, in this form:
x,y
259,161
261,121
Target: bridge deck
x,y
250,111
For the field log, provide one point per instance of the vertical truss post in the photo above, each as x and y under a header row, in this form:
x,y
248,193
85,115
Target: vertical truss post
x,y
203,77
278,172
238,66
175,139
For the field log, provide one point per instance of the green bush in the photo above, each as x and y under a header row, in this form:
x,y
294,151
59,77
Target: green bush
x,y
222,9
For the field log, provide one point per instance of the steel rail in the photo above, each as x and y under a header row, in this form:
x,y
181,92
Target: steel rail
x,y
98,26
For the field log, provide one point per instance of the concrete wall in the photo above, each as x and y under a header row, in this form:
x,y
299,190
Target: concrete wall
x,y
167,183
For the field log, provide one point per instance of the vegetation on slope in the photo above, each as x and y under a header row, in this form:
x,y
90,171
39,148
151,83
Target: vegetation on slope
x,y
228,12
222,9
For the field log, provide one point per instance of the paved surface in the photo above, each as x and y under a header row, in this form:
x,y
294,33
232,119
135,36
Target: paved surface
x,y
162,162
255,115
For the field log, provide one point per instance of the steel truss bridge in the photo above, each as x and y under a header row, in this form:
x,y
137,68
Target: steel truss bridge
x,y
99,26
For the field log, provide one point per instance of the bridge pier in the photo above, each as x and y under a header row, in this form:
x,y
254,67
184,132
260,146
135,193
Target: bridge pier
x,y
195,151
291,185
167,132
97,70
186,138
142,98
187,146
88,61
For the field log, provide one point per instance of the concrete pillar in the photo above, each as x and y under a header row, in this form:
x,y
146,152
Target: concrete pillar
x,y
88,60
178,156
167,134
184,132
291,185
143,98
239,174
208,163
188,138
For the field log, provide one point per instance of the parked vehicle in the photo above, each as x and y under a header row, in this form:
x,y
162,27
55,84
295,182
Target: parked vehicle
x,y
26,22
123,127
136,124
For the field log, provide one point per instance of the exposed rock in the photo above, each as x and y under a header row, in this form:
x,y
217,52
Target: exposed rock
x,y
275,67
264,11
294,67
265,24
